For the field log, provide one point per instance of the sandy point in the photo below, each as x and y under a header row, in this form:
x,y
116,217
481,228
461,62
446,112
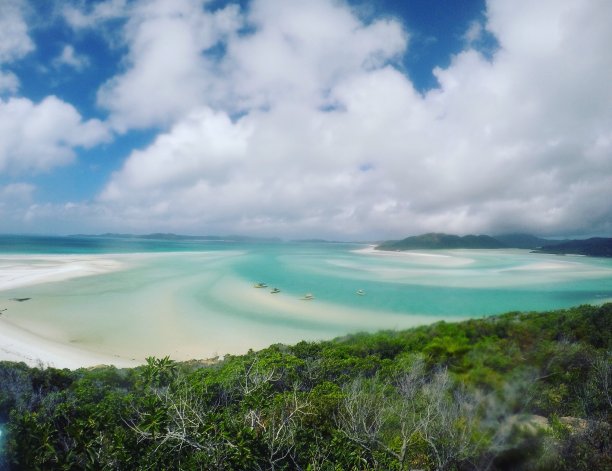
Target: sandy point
x,y
20,345
17,271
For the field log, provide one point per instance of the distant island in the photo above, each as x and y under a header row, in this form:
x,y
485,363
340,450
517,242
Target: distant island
x,y
178,237
443,241
595,246
525,241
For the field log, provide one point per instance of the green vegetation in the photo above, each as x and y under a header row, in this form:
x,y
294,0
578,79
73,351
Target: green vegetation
x,y
443,241
510,392
524,241
594,247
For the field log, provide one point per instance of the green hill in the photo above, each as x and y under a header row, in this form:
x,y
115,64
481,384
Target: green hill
x,y
526,391
524,241
594,247
442,241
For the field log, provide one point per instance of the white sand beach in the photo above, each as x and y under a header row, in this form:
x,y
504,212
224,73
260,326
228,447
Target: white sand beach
x,y
19,344
159,319
26,270
442,258
84,310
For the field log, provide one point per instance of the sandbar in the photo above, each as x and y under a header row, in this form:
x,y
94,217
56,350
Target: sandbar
x,y
441,259
20,345
17,271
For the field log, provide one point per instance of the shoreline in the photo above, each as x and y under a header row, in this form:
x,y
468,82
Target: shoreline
x,y
24,270
22,342
372,250
19,345
19,271
203,312
48,268
443,259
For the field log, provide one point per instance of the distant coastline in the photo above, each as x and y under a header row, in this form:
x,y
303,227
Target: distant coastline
x,y
178,237
594,247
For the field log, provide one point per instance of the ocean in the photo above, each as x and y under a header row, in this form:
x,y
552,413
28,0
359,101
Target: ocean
x,y
196,298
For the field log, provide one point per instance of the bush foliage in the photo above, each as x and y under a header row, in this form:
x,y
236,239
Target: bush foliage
x,y
516,391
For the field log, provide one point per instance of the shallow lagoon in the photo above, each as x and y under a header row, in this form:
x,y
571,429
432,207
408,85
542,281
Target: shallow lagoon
x,y
197,300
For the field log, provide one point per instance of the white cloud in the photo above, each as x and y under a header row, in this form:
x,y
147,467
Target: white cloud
x,y
176,161
183,56
80,17
15,198
69,57
167,71
8,82
16,192
15,42
14,39
473,34
301,50
333,140
39,136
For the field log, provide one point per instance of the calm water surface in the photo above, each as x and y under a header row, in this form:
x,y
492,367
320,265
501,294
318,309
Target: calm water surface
x,y
196,298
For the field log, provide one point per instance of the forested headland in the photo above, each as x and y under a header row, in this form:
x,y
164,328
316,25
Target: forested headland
x,y
594,247
509,392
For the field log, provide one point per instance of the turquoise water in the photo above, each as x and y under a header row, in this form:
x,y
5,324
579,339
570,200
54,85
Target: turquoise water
x,y
196,298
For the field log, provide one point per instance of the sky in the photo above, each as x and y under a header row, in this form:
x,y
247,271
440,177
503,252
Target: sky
x,y
353,120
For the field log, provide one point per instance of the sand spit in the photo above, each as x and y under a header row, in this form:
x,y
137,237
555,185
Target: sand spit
x,y
443,258
17,271
20,345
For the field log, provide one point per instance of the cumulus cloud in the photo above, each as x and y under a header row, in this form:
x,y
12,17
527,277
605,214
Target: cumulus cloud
x,y
69,57
15,198
303,125
16,192
183,55
9,83
40,136
15,41
167,69
82,16
301,50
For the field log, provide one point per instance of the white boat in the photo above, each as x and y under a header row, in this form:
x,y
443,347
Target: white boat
x,y
361,292
260,285
308,297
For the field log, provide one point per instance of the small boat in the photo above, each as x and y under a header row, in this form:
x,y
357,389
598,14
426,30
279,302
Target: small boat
x,y
308,297
260,285
275,290
360,292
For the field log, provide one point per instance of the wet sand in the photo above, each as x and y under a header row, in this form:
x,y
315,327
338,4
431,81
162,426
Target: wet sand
x,y
27,270
21,345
